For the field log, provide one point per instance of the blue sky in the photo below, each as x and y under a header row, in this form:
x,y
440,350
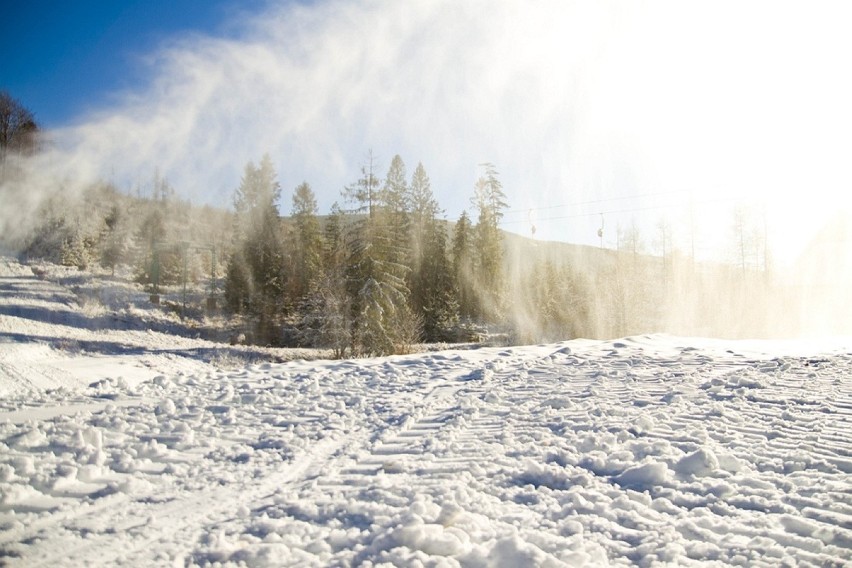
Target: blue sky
x,y
63,58
634,114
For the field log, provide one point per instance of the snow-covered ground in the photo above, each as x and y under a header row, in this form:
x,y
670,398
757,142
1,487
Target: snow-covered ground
x,y
122,446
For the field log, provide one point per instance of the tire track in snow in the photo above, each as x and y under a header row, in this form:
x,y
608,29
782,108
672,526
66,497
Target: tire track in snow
x,y
451,435
758,411
171,525
398,445
468,434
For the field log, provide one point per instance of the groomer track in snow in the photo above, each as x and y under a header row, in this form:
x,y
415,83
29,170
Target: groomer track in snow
x,y
681,450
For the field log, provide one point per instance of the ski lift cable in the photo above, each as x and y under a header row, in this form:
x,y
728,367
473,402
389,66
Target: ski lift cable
x,y
617,211
596,201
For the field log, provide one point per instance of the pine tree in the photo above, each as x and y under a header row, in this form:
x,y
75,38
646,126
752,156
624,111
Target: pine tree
x,y
395,201
438,301
159,261
307,249
257,196
550,302
433,297
424,210
463,257
377,270
334,246
364,193
238,283
256,277
76,250
329,318
115,242
490,201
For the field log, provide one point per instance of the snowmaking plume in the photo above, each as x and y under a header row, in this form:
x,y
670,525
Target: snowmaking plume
x,y
593,113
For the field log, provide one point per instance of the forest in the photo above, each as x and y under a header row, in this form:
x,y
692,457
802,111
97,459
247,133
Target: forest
x,y
384,271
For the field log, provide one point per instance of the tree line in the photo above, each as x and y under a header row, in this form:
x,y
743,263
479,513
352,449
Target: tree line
x,y
383,270
378,274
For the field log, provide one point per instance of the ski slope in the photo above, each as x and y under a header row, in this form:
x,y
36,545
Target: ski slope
x,y
139,448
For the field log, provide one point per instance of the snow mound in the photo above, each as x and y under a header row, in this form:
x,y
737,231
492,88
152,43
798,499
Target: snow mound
x,y
702,462
645,476
512,551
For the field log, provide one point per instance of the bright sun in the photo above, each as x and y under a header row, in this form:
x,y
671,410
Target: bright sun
x,y
733,115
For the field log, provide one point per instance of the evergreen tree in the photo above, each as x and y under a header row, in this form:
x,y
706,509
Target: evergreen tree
x,y
490,201
433,297
334,246
76,249
159,260
364,193
437,297
463,258
550,302
329,319
255,279
307,249
394,223
238,283
376,271
257,196
395,200
424,211
115,242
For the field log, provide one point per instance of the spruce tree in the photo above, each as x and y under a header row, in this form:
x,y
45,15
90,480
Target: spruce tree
x,y
363,195
395,202
377,270
463,274
433,297
333,307
438,300
424,210
307,245
256,277
325,311
115,238
490,201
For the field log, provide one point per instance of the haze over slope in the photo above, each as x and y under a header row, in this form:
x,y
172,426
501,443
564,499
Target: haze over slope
x,y
635,123
634,111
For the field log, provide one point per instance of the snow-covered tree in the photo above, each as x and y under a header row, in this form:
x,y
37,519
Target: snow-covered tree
x,y
329,317
376,270
115,237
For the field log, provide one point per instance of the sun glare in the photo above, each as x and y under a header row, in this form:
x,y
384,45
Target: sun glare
x,y
737,114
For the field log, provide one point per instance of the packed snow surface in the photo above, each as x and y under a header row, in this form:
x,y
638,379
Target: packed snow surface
x,y
137,448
